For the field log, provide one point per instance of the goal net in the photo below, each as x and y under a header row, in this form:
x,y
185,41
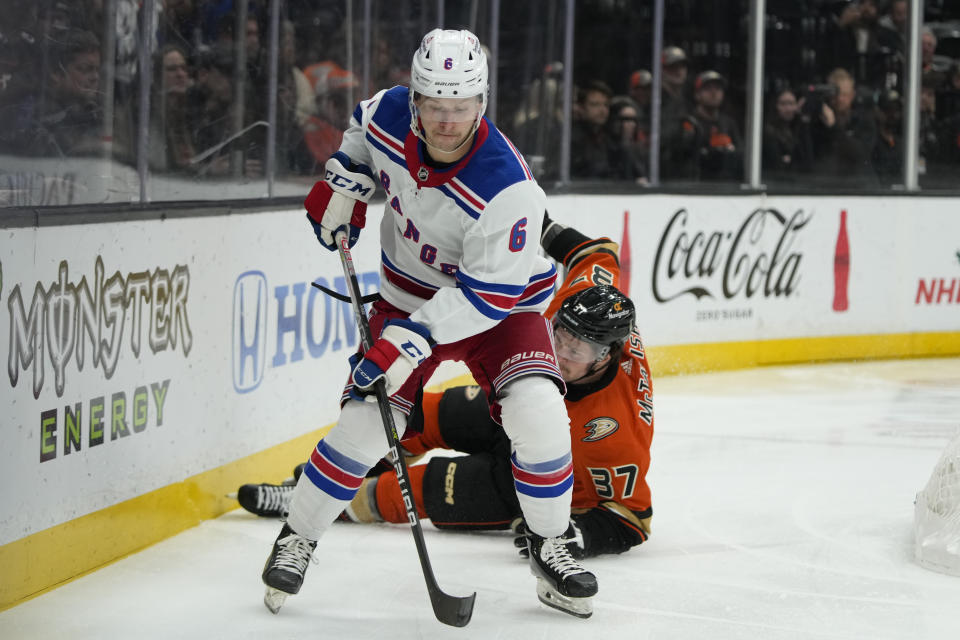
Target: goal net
x,y
936,523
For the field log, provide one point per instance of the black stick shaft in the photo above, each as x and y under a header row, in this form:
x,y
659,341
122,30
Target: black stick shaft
x,y
453,610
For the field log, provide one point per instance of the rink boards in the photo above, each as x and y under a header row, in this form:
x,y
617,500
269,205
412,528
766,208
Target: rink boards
x,y
154,365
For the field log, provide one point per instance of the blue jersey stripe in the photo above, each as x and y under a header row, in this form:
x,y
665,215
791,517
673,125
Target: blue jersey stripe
x,y
492,169
515,290
450,193
385,149
393,113
480,305
537,299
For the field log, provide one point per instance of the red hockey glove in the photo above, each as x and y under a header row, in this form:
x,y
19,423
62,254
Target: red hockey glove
x,y
339,201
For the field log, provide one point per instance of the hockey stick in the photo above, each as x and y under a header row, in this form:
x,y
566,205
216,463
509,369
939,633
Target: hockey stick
x,y
448,609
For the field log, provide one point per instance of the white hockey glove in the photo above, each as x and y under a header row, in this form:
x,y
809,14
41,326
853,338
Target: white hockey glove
x,y
402,346
339,201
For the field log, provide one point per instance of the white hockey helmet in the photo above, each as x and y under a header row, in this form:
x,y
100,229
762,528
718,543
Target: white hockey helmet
x,y
448,64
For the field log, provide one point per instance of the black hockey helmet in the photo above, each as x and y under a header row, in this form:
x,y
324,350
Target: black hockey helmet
x,y
601,315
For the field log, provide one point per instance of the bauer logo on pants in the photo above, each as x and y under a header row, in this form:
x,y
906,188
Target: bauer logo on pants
x,y
249,330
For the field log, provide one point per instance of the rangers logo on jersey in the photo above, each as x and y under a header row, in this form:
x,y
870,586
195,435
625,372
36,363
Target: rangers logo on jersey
x,y
600,428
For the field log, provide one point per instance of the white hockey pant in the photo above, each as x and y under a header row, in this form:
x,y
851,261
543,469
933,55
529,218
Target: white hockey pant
x,y
535,419
337,467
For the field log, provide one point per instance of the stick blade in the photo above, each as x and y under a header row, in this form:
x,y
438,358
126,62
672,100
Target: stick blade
x,y
452,610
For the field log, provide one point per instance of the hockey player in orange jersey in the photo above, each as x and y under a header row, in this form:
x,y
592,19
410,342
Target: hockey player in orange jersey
x,y
609,401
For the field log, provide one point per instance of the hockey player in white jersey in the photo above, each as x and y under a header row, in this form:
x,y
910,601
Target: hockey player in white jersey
x,y
459,281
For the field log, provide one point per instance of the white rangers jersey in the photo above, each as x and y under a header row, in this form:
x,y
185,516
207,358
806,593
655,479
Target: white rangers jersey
x,y
459,244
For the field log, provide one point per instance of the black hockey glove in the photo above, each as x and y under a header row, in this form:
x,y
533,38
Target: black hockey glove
x,y
574,544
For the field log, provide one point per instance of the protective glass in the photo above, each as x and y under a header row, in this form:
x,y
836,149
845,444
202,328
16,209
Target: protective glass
x,y
449,109
576,349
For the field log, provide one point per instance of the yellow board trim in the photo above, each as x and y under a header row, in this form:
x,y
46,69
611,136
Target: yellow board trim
x,y
719,356
50,558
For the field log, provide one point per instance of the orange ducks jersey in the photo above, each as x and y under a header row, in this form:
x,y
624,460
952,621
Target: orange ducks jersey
x,y
611,428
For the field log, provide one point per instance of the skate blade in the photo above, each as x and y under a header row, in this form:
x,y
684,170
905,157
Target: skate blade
x,y
274,599
232,495
579,607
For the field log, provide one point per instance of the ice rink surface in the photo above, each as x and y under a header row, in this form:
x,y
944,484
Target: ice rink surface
x,y
783,508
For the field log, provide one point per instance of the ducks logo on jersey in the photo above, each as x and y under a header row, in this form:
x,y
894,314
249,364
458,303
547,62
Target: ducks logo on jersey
x,y
600,428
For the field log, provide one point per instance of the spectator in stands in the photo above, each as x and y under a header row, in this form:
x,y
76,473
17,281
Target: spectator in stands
x,y
709,139
641,84
953,77
324,131
171,132
929,60
673,97
212,105
787,142
180,24
934,135
594,152
624,124
887,154
676,160
860,45
894,25
537,127
296,104
844,134
296,91
67,119
388,69
946,107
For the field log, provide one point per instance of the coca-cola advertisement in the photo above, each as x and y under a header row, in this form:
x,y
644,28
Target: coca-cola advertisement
x,y
703,257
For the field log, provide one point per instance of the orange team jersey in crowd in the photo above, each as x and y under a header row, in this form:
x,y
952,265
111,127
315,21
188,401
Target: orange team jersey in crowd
x,y
612,428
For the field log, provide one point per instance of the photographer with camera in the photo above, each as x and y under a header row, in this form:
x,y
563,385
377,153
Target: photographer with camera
x,y
844,132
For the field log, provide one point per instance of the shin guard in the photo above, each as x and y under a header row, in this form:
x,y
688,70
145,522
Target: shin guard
x,y
535,419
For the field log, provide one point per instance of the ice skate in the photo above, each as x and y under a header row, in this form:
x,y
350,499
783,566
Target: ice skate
x,y
561,582
266,500
283,573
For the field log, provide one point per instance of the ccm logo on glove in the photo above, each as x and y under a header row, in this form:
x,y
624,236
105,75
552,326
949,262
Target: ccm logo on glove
x,y
339,201
402,346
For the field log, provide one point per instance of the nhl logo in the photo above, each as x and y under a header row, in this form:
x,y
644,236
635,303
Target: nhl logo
x,y
423,174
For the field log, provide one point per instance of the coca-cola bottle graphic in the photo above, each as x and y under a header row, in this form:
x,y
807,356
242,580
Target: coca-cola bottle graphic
x,y
841,266
625,256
